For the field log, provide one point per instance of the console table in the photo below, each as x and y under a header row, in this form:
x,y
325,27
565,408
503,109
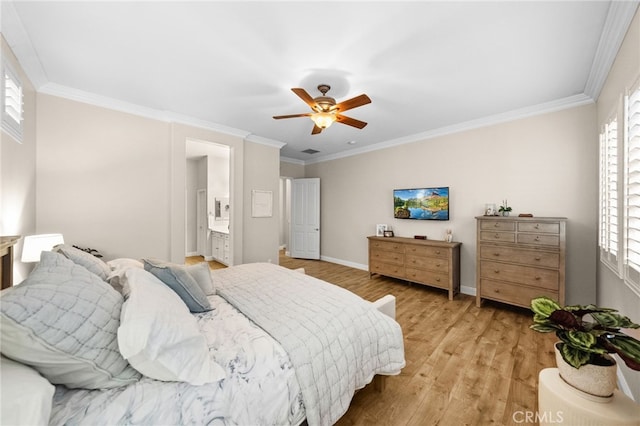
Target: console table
x,y
6,264
429,262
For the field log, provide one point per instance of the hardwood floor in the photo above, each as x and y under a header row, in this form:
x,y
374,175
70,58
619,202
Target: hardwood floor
x,y
465,365
192,260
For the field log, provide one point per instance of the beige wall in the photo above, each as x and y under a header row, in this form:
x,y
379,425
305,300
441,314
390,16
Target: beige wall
x,y
18,172
116,182
103,178
545,165
291,170
261,234
612,292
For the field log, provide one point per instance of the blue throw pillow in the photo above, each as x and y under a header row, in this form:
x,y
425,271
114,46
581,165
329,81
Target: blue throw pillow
x,y
179,280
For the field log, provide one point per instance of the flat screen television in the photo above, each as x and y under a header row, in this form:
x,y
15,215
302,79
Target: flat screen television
x,y
421,203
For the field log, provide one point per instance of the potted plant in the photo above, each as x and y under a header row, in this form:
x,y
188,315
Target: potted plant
x,y
582,354
504,208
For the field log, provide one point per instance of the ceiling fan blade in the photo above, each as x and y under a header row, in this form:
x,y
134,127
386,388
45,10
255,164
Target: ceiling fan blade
x,y
352,103
316,130
350,121
302,94
278,117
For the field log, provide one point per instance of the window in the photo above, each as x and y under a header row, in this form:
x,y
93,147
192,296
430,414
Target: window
x,y
11,102
631,258
619,214
609,194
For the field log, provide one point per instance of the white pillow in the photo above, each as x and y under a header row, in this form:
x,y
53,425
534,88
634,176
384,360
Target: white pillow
x,y
202,274
82,258
159,336
26,395
118,268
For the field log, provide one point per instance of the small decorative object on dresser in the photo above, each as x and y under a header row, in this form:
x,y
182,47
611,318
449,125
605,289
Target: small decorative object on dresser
x,y
504,208
429,262
380,228
388,233
520,258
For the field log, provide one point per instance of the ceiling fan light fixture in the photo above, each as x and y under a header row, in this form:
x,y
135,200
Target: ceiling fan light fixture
x,y
323,119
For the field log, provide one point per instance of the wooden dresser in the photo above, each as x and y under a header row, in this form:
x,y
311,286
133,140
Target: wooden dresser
x,y
6,259
429,262
518,259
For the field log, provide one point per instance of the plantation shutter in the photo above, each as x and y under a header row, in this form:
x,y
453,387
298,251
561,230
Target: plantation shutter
x,y
11,102
632,188
609,194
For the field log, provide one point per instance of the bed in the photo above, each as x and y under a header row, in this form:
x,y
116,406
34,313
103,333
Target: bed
x,y
150,342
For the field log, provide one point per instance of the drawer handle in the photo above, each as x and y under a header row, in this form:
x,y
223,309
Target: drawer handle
x,y
438,265
497,236
437,251
495,225
496,290
438,280
537,238
537,226
497,271
496,254
538,278
538,258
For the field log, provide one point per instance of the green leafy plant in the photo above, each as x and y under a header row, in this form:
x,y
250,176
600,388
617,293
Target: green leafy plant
x,y
586,342
504,207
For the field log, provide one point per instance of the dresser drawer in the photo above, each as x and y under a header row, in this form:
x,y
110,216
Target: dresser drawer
x,y
387,269
497,225
513,294
427,277
537,277
396,258
539,227
548,240
515,255
387,246
494,236
431,263
417,250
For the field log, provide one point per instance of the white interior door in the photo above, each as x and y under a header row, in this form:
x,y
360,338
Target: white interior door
x,y
202,221
305,218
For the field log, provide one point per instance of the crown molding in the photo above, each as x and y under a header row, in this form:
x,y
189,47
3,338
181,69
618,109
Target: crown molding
x,y
129,108
293,161
547,107
264,141
615,28
18,40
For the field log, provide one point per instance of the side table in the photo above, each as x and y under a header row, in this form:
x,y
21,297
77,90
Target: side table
x,y
560,403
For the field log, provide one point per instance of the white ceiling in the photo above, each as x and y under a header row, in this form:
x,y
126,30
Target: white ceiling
x,y
429,67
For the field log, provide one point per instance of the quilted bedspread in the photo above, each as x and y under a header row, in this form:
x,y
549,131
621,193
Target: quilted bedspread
x,y
336,340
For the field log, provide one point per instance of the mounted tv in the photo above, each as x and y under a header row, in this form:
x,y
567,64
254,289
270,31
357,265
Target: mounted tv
x,y
421,203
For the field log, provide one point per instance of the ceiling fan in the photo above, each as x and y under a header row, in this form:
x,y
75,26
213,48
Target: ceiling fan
x,y
326,110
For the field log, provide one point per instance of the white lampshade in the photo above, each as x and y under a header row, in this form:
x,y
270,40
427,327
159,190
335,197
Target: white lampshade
x,y
35,244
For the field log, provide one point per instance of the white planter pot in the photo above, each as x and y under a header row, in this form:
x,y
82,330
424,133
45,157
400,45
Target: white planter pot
x,y
593,379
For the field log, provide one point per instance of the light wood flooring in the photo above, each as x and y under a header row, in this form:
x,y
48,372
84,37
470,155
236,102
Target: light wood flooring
x,y
465,365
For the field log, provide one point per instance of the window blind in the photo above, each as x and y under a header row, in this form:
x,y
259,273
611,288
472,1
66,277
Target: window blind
x,y
12,99
632,188
609,194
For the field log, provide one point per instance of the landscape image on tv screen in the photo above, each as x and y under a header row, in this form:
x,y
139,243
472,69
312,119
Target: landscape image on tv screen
x,y
421,203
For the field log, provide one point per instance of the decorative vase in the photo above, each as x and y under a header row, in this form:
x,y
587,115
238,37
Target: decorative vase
x,y
505,214
595,380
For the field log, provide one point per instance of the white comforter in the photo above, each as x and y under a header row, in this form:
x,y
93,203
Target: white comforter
x,y
336,341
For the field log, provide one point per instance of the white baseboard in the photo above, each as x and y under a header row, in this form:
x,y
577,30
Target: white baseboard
x,y
345,263
192,253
